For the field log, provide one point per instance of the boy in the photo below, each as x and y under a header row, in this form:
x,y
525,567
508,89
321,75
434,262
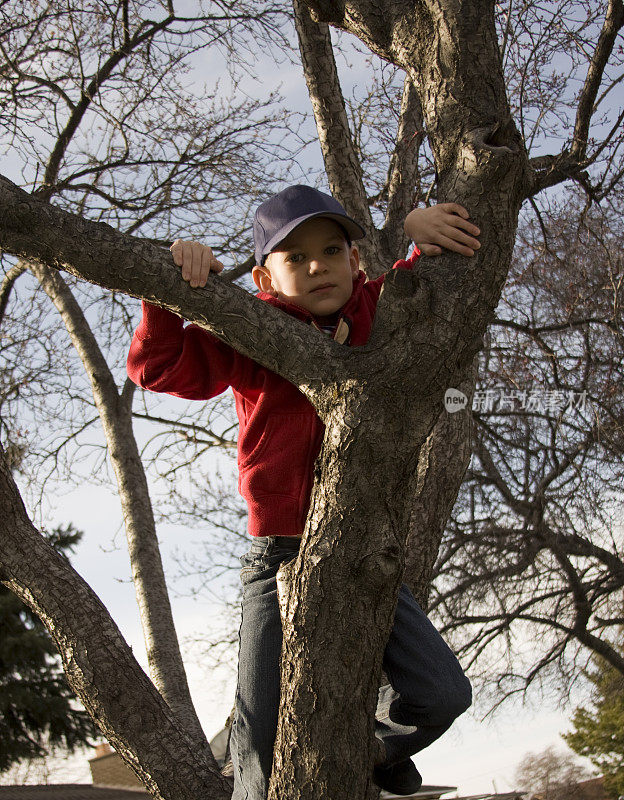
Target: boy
x,y
307,266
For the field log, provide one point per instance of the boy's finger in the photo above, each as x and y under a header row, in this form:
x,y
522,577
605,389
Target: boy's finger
x,y
458,222
206,258
176,252
428,249
457,247
196,269
455,208
463,238
187,260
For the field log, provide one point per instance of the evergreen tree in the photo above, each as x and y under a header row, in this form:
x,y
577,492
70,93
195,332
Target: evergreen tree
x,y
599,733
37,707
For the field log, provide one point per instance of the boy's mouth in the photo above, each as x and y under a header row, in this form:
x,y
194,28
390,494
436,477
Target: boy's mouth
x,y
321,287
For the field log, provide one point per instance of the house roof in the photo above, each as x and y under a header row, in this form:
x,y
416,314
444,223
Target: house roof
x,y
424,793
68,791
495,796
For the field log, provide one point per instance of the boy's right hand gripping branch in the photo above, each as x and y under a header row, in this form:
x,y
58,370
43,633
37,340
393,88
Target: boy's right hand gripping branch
x,y
196,260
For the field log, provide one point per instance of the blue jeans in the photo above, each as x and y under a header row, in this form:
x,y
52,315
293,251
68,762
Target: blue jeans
x,y
427,691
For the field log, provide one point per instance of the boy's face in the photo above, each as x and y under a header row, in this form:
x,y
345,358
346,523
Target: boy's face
x,y
313,268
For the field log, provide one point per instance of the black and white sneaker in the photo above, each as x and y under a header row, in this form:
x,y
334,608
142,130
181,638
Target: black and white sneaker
x,y
401,778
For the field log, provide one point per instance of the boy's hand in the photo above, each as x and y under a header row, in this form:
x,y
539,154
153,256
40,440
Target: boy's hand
x,y
196,260
443,226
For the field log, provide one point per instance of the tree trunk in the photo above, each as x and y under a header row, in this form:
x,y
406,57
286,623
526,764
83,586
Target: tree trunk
x,y
163,651
99,664
340,594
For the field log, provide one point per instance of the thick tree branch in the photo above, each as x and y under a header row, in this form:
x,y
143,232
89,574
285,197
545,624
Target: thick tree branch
x,y
614,21
342,163
432,321
161,641
34,230
403,172
98,663
7,285
442,465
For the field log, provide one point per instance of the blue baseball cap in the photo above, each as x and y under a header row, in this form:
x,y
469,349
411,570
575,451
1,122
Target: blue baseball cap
x,y
282,213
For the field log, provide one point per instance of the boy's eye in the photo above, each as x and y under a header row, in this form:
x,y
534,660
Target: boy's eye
x,y
332,250
294,258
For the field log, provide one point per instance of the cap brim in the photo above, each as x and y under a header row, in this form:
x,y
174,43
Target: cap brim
x,y
354,229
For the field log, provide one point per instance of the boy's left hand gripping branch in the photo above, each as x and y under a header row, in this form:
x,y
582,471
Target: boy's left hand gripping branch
x,y
444,226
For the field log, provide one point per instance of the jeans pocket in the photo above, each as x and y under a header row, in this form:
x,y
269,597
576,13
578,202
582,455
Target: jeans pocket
x,y
252,564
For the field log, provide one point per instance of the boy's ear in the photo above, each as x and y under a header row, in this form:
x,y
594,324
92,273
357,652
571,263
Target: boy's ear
x,y
354,260
262,278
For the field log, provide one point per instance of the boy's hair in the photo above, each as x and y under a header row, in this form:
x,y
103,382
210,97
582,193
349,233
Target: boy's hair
x,y
283,212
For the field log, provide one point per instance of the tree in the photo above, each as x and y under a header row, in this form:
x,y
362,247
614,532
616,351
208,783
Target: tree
x,y
551,775
37,708
112,68
533,550
428,328
598,733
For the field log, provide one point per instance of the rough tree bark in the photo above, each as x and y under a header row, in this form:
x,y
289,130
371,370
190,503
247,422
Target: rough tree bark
x,y
446,455
99,665
339,595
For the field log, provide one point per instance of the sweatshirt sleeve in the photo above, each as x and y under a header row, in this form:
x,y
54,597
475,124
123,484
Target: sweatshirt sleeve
x,y
373,288
409,262
182,361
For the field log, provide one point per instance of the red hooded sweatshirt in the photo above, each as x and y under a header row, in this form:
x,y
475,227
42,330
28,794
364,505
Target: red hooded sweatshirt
x,y
280,433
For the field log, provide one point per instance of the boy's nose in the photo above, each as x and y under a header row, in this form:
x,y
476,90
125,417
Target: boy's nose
x,y
317,265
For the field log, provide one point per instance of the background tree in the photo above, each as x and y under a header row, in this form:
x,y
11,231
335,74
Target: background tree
x,y
38,711
598,732
551,775
533,550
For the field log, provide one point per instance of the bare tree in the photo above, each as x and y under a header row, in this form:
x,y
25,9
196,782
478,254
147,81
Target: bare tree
x,y
533,549
551,775
428,328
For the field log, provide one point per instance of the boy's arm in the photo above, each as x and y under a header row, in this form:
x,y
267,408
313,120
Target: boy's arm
x,y
186,362
434,228
182,361
444,226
